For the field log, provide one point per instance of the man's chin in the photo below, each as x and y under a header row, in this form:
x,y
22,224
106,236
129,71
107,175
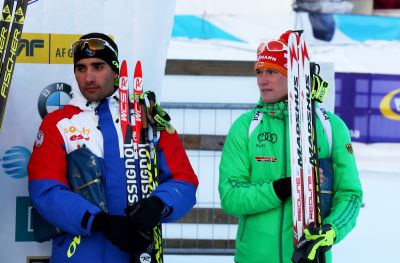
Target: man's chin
x,y
274,100
92,97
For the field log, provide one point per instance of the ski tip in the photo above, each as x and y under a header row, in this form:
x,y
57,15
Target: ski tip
x,y
293,47
138,69
123,69
294,38
304,50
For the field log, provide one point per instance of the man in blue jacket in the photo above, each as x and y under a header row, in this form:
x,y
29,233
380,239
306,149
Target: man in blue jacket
x,y
85,138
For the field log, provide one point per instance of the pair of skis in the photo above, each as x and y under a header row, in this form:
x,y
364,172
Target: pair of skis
x,y
11,24
139,152
303,150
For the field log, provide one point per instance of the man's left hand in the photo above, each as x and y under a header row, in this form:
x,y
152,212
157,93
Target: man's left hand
x,y
314,241
146,213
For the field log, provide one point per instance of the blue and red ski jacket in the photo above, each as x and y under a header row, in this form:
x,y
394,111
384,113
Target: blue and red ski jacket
x,y
76,126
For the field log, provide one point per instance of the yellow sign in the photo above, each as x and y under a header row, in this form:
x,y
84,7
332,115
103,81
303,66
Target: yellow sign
x,y
33,48
40,48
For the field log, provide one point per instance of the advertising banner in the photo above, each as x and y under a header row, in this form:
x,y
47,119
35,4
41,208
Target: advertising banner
x,y
370,106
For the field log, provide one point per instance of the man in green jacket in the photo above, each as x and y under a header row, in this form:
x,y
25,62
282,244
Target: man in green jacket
x,y
254,183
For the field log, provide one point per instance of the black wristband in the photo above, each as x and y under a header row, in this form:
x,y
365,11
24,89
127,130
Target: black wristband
x,y
85,219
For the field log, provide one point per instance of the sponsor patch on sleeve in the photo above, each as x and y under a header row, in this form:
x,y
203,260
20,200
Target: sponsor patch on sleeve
x,y
39,139
266,159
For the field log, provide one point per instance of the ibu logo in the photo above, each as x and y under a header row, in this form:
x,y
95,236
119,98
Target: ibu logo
x,y
15,162
390,105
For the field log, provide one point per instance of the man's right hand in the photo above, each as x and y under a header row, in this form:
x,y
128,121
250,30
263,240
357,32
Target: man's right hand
x,y
283,188
121,232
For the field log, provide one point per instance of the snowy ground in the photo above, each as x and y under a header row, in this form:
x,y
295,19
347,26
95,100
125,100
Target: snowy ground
x,y
197,259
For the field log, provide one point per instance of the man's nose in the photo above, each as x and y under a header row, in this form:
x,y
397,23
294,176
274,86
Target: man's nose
x,y
90,76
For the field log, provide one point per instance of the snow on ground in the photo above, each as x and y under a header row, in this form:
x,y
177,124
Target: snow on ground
x,y
197,259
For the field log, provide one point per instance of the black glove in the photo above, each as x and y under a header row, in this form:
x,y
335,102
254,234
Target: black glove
x,y
158,116
313,242
283,188
121,232
146,213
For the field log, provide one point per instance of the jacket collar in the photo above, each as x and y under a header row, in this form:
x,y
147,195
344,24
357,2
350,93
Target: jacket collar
x,y
80,101
272,107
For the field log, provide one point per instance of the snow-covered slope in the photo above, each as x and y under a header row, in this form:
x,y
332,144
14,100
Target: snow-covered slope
x,y
256,20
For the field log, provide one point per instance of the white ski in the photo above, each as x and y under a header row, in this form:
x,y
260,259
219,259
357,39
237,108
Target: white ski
x,y
296,161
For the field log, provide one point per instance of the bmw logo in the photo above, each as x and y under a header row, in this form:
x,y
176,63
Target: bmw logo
x,y
54,97
15,162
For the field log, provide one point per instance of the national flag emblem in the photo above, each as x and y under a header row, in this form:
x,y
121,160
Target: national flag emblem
x,y
349,148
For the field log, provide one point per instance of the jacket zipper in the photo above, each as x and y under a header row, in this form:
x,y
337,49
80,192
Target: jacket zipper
x,y
283,204
244,225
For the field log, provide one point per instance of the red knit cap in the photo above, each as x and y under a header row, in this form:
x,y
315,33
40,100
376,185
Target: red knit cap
x,y
273,54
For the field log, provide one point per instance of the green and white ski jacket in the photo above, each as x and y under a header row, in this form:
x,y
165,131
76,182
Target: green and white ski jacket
x,y
251,162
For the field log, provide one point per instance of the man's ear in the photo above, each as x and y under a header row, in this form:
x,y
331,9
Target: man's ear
x,y
116,80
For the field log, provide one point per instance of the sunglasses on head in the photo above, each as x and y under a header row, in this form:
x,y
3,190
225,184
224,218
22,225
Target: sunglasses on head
x,y
95,44
274,45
